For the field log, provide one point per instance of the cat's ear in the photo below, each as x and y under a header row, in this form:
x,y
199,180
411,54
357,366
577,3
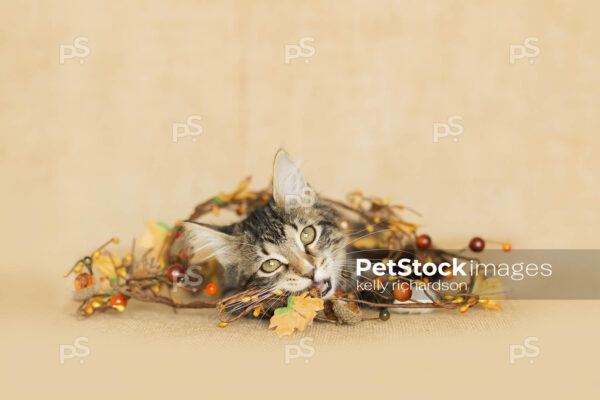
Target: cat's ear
x,y
208,241
289,186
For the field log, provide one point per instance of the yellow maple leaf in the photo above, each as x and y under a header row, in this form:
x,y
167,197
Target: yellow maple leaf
x,y
298,314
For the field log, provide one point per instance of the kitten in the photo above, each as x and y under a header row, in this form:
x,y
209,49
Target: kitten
x,y
287,244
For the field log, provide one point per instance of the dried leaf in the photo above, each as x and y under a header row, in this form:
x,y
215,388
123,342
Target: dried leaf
x,y
240,192
490,287
107,263
298,314
155,237
492,304
369,242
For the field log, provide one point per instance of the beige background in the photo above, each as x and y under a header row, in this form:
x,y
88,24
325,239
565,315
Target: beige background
x,y
86,153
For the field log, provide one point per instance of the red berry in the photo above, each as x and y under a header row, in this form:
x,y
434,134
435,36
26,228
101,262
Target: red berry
x,y
424,241
211,289
477,244
175,273
118,300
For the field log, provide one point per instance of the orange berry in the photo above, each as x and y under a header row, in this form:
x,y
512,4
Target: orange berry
x,y
448,271
241,210
402,291
211,289
118,300
506,246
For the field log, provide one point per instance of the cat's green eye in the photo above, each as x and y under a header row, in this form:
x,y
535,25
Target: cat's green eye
x,y
270,265
307,236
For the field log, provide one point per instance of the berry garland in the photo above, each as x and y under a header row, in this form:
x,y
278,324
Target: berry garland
x,y
110,281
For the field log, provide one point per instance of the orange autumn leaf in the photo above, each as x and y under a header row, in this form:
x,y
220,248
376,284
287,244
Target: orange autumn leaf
x,y
298,314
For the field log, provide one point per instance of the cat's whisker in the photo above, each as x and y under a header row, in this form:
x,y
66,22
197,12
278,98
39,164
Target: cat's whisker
x,y
267,311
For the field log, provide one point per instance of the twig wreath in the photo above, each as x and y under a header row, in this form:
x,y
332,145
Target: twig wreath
x,y
106,281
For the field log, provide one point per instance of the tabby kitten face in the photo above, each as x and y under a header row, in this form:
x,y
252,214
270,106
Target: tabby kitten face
x,y
287,244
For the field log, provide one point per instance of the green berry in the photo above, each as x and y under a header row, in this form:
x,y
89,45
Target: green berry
x,y
384,315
